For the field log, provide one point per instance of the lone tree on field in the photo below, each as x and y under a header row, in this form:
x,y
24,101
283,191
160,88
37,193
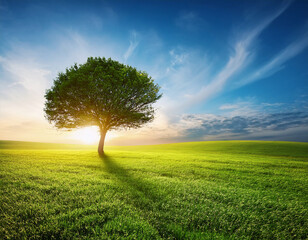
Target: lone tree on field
x,y
104,93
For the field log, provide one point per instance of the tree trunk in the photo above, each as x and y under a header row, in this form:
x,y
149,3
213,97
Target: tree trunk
x,y
102,142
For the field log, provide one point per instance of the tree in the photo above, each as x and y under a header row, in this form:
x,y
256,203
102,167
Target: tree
x,y
101,92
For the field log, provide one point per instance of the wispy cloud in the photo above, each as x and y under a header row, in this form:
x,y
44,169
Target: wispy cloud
x,y
276,63
97,21
25,74
22,92
234,64
242,56
133,43
189,20
184,72
228,106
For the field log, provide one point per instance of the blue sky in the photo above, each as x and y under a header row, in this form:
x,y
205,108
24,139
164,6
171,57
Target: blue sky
x,y
228,69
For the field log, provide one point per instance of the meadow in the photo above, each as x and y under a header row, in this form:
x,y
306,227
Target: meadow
x,y
199,190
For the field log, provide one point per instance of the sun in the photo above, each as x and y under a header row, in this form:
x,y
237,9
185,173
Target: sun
x,y
87,135
90,135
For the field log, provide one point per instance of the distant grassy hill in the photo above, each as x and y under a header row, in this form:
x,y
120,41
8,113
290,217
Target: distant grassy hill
x,y
200,190
38,145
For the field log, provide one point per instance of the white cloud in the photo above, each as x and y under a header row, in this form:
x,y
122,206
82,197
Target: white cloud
x,y
238,61
189,20
177,58
26,74
276,63
235,64
133,43
24,87
228,106
184,73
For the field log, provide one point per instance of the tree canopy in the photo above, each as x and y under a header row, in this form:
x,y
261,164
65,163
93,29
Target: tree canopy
x,y
101,92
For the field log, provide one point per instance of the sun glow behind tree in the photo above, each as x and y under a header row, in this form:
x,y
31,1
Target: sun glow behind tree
x,y
104,93
89,135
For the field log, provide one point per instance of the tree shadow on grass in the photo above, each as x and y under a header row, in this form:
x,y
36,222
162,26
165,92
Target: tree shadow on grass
x,y
144,194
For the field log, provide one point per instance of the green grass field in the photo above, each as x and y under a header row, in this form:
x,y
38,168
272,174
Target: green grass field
x,y
201,190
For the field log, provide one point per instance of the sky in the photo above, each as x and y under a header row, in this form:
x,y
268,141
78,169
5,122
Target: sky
x,y
228,70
